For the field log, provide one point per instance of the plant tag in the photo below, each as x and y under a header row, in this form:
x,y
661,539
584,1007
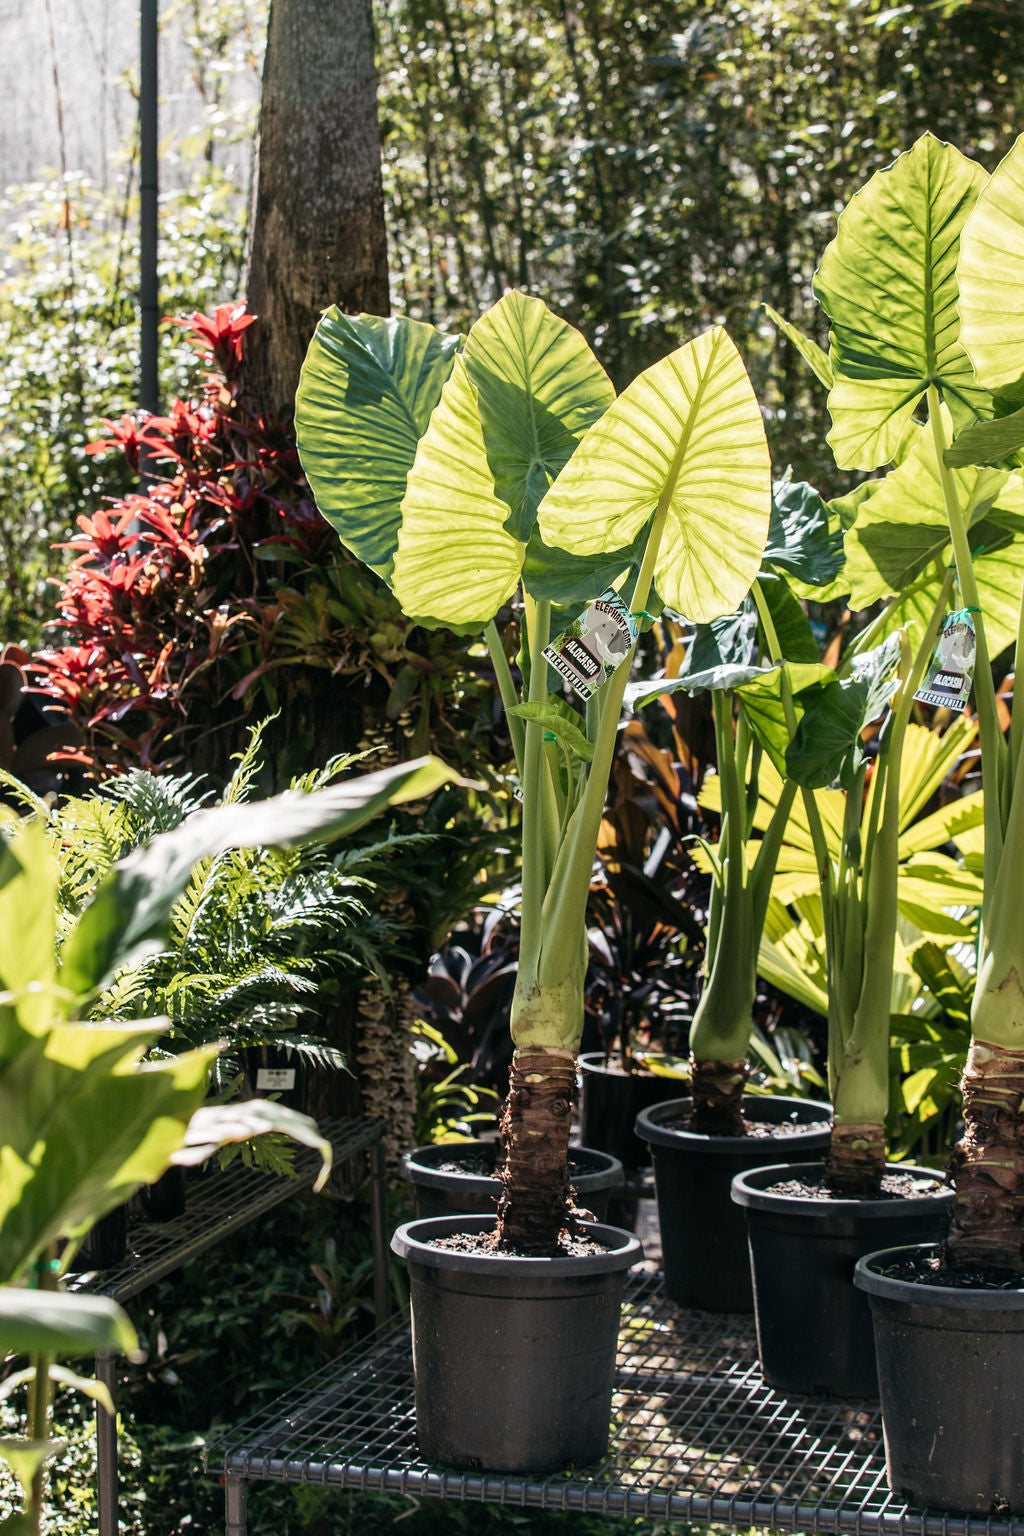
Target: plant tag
x,y
587,653
275,1079
951,669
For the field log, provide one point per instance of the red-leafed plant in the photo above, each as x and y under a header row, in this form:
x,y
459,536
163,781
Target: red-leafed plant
x,y
217,595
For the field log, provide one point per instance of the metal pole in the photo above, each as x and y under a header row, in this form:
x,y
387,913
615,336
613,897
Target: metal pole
x,y
379,1219
149,303
235,1494
106,1452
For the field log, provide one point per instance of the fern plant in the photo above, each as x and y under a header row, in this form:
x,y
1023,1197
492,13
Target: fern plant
x,y
259,939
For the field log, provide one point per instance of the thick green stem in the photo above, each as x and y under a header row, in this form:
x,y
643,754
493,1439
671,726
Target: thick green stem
x,y
507,690
993,747
536,793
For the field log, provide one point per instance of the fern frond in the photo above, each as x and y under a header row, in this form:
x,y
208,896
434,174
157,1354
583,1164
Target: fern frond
x,y
250,761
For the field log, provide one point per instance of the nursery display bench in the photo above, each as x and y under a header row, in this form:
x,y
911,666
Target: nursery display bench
x,y
220,1204
696,1436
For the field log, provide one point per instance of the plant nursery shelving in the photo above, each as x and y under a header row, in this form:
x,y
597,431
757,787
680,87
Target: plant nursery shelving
x,y
696,1437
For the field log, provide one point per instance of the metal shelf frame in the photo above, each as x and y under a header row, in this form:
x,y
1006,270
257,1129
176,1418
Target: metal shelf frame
x,y
696,1436
220,1204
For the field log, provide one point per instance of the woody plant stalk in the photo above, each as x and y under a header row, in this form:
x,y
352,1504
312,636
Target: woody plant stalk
x,y
475,473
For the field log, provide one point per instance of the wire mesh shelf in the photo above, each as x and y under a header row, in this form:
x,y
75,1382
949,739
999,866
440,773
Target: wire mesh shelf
x,y
696,1436
219,1203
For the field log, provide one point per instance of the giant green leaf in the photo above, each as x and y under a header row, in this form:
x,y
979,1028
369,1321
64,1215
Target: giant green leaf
x,y
763,704
539,387
888,284
805,537
685,438
456,562
988,442
900,546
826,743
61,1323
84,1126
134,900
365,396
511,414
991,278
29,877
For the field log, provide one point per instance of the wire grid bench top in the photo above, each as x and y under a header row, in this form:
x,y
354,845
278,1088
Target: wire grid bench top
x,y
696,1436
219,1203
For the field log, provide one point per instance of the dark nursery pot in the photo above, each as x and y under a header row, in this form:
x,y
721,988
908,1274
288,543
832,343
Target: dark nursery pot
x,y
611,1099
105,1245
951,1382
514,1358
450,1191
703,1235
165,1199
814,1331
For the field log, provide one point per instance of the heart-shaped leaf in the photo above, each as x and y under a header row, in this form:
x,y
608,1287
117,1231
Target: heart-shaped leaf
x,y
685,439
538,387
991,277
888,284
365,396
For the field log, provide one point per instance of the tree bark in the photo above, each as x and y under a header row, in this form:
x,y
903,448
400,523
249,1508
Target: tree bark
x,y
318,233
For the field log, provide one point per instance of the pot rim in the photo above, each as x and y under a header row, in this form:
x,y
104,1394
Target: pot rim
x,y
746,1192
412,1242
649,1128
608,1172
597,1061
912,1293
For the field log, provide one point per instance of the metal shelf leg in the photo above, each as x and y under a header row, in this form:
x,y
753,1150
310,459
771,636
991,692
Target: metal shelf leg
x,y
106,1452
379,1219
236,1491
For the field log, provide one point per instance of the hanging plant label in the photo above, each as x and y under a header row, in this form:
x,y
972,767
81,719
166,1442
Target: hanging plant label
x,y
275,1079
951,669
587,653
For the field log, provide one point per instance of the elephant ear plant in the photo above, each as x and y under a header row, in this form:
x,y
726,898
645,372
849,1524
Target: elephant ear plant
x,y
924,285
499,470
738,660
83,1120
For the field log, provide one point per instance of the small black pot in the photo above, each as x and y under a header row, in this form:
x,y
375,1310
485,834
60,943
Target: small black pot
x,y
611,1099
443,1191
105,1245
164,1199
514,1358
814,1330
951,1381
703,1235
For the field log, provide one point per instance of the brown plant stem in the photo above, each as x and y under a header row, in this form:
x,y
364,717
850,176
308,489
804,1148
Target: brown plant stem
x,y
987,1164
856,1159
535,1122
717,1091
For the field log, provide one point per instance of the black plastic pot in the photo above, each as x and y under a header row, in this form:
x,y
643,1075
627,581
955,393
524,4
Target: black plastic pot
x,y
164,1199
814,1330
105,1245
951,1382
514,1358
611,1099
444,1191
703,1235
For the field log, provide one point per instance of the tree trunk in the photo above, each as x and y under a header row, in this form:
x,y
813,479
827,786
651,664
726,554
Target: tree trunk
x,y
318,232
